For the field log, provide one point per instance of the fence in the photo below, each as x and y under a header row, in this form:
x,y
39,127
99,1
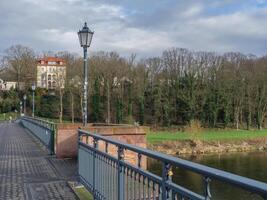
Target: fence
x,y
43,130
109,176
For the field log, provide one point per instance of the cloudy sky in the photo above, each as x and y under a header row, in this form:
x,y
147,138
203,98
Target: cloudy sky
x,y
145,27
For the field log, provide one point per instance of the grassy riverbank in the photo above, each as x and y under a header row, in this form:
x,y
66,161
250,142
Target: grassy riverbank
x,y
206,135
207,141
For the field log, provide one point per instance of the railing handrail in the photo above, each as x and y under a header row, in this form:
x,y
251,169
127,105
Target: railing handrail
x,y
220,175
49,134
40,121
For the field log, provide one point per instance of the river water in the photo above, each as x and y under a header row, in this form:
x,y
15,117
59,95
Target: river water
x,y
252,165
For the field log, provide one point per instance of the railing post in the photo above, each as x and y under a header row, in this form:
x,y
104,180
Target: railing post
x,y
78,153
106,147
166,176
120,174
86,139
52,140
139,160
95,144
207,188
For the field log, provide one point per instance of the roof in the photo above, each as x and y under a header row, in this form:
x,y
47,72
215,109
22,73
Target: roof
x,y
46,60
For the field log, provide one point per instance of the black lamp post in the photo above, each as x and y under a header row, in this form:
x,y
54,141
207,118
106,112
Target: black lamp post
x,y
20,107
33,91
24,98
85,37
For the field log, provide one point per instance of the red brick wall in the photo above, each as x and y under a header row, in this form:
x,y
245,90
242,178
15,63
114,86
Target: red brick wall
x,y
67,137
66,140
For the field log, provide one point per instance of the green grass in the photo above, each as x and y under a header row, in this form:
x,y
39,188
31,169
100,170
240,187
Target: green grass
x,y
207,135
83,194
5,116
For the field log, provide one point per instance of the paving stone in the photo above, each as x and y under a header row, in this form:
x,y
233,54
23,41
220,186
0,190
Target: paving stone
x,y
50,190
27,171
67,168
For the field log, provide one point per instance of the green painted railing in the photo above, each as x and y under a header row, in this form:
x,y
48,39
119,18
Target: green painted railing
x,y
43,130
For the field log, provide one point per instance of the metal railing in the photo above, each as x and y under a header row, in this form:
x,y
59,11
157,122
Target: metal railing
x,y
43,130
109,176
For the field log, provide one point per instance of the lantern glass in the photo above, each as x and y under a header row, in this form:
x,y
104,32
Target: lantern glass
x,y
89,38
85,36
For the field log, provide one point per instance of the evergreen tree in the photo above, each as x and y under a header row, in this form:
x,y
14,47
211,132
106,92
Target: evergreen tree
x,y
96,101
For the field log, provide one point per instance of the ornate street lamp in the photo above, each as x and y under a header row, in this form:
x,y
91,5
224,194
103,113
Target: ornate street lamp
x,y
85,38
24,98
33,91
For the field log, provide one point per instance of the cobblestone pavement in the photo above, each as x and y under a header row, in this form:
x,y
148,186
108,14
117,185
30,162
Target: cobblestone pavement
x,y
27,171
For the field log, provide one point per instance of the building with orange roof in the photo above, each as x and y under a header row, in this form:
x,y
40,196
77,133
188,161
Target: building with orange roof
x,y
51,73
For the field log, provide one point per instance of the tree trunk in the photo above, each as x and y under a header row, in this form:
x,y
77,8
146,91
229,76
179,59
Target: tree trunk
x,y
108,103
261,106
61,106
248,109
249,118
81,105
236,115
72,108
260,118
241,117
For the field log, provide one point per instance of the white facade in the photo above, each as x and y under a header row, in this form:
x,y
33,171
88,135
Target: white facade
x,y
8,85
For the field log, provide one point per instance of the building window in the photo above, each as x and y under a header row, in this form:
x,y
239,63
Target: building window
x,y
51,63
54,84
49,84
49,77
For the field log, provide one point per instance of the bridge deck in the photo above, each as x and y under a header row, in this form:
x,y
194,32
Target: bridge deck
x,y
27,171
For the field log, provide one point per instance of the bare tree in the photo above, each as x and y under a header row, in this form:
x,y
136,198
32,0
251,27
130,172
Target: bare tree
x,y
74,87
59,80
21,64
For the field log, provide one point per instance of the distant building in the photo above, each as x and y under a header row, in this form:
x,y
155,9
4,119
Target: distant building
x,y
8,85
51,73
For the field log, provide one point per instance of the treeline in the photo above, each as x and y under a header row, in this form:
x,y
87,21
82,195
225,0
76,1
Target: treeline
x,y
177,88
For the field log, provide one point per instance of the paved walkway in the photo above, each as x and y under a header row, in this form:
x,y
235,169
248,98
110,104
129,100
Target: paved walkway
x,y
27,171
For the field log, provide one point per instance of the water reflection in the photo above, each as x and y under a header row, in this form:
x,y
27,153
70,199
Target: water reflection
x,y
252,165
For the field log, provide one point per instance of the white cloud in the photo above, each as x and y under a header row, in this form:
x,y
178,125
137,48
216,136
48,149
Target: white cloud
x,y
192,11
56,35
237,23
138,40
